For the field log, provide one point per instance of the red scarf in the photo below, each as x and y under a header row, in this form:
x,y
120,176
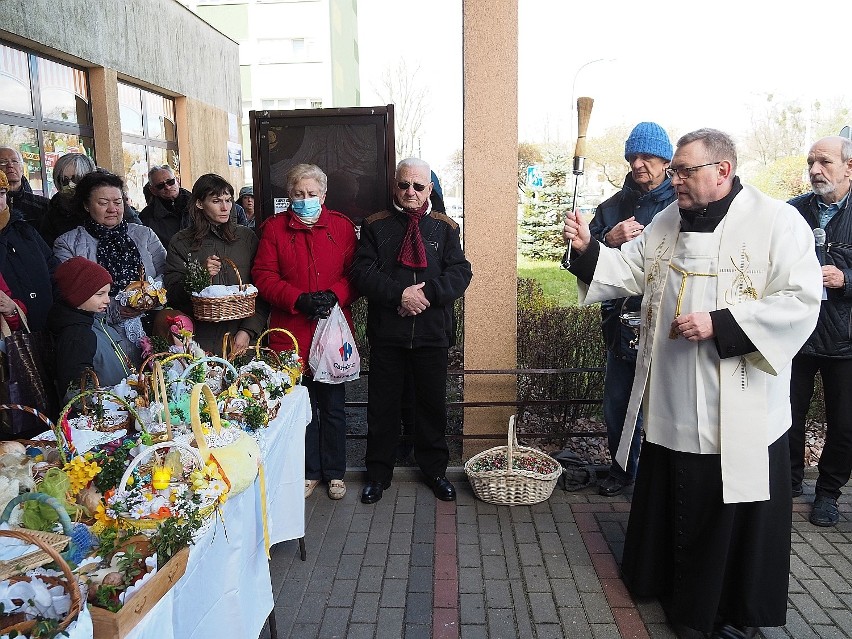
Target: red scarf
x,y
412,254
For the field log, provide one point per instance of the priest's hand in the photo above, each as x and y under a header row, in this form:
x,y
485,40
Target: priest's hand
x,y
693,326
832,277
576,232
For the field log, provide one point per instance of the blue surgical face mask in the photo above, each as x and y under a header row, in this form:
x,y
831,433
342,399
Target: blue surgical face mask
x,y
308,208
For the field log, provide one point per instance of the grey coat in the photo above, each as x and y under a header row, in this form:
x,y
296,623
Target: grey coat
x,y
78,241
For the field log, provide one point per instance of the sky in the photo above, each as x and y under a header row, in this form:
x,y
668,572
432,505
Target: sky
x,y
684,65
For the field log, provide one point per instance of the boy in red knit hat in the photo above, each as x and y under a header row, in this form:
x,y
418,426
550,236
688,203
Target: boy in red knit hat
x,y
83,337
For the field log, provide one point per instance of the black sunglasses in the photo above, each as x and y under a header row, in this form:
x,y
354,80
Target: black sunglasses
x,y
403,186
165,183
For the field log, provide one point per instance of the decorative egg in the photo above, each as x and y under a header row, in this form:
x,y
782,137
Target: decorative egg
x,y
160,478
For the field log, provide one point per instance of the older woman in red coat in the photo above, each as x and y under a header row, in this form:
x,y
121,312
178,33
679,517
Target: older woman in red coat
x,y
301,268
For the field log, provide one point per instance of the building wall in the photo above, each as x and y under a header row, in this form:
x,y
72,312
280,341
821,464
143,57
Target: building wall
x,y
157,44
275,73
345,69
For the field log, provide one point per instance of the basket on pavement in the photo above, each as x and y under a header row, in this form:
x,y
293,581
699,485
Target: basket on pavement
x,y
512,475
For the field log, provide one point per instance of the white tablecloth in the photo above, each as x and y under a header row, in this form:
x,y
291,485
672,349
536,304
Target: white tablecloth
x,y
226,590
285,467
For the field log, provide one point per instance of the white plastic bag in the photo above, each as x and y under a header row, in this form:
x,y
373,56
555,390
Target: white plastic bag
x,y
334,357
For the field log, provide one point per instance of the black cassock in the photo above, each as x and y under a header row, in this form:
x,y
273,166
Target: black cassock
x,y
705,560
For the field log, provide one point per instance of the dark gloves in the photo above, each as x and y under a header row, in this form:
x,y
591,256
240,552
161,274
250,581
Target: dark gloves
x,y
323,301
305,305
316,305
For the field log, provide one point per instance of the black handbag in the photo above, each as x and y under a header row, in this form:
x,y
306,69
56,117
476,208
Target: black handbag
x,y
27,374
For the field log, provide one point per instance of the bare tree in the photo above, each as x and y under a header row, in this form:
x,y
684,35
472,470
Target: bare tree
x,y
607,152
778,129
398,86
454,170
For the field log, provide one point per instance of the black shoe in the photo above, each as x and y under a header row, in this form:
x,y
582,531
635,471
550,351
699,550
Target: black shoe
x,y
373,491
727,631
797,490
825,511
612,486
442,488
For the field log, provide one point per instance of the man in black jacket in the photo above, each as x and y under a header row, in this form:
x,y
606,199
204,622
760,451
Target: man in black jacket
x,y
829,348
411,267
168,208
29,206
168,211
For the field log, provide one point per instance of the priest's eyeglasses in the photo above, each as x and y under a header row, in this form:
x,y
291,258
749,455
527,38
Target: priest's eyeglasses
x,y
684,172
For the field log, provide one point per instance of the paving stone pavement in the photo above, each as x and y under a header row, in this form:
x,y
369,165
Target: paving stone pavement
x,y
412,567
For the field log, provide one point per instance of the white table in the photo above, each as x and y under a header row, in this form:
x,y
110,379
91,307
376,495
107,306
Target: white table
x,y
226,590
285,467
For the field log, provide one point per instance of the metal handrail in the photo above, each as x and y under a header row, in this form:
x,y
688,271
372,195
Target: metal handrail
x,y
517,403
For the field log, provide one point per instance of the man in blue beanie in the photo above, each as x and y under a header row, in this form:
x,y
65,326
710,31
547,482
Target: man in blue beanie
x,y
620,219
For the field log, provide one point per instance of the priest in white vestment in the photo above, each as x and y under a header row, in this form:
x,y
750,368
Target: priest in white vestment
x,y
732,288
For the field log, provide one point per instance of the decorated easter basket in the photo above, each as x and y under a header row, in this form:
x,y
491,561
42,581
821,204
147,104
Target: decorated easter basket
x,y
512,475
295,372
239,458
216,372
40,557
45,445
143,295
234,404
103,423
68,581
191,459
226,308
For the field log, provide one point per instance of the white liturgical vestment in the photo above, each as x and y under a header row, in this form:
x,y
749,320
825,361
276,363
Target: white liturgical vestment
x,y
760,264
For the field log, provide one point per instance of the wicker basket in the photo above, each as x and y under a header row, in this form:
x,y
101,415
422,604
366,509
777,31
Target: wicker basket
x,y
166,357
295,377
216,382
510,486
56,541
189,455
231,413
69,583
150,297
224,309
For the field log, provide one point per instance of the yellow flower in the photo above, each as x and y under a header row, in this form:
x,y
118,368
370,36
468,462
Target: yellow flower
x,y
102,519
246,393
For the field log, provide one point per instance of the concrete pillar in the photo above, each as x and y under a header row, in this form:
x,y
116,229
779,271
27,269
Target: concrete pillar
x,y
490,50
185,150
106,119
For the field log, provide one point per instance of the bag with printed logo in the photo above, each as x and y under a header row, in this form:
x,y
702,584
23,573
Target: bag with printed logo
x,y
334,357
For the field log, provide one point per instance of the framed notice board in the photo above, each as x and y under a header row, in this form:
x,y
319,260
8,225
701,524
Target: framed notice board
x,y
353,146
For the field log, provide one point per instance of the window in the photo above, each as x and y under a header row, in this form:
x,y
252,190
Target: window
x,y
148,135
283,104
44,112
284,50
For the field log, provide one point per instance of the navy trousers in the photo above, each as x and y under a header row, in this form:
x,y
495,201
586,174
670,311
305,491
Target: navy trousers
x,y
325,437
